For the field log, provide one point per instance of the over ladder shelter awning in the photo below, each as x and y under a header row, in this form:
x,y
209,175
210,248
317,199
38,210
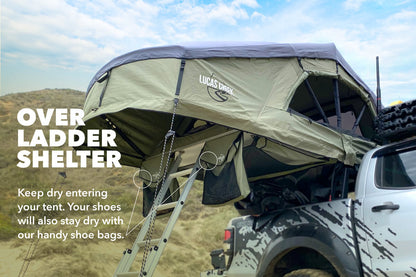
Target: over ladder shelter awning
x,y
299,104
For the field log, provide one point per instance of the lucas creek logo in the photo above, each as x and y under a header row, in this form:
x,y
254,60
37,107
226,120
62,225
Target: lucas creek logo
x,y
216,89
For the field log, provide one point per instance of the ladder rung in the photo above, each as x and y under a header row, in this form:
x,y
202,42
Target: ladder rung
x,y
128,274
154,256
180,173
152,242
166,206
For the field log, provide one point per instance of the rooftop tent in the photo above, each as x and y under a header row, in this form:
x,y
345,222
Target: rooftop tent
x,y
290,106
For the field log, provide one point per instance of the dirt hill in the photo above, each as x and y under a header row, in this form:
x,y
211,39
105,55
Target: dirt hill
x,y
199,230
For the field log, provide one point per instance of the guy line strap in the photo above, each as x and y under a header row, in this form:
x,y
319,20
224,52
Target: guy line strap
x,y
30,254
170,133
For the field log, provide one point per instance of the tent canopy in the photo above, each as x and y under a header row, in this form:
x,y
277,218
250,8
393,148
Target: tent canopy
x,y
295,105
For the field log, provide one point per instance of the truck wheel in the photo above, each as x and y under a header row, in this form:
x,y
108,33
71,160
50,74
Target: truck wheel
x,y
308,272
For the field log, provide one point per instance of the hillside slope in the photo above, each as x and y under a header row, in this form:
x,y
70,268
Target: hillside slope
x,y
199,230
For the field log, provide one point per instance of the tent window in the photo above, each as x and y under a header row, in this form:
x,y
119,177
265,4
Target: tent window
x,y
351,105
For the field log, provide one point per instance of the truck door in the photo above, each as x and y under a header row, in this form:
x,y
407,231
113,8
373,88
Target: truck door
x,y
390,211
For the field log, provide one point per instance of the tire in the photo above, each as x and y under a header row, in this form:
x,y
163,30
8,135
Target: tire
x,y
308,272
396,123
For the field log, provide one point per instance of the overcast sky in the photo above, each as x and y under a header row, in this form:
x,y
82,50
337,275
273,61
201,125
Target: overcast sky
x,y
61,44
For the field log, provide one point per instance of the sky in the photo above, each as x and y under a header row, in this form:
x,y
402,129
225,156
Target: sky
x,y
63,43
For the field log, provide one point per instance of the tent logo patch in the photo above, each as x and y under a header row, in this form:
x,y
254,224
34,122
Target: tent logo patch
x,y
216,89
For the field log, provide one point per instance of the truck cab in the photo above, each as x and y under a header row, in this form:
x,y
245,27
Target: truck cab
x,y
386,205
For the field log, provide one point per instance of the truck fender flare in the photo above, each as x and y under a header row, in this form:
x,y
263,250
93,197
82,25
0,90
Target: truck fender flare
x,y
315,237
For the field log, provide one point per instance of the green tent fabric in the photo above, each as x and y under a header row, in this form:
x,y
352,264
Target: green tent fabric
x,y
263,90
225,178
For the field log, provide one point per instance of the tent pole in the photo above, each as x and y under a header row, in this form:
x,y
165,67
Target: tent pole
x,y
337,102
357,121
345,183
123,135
315,100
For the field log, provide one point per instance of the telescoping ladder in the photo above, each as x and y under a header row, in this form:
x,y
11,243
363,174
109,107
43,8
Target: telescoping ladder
x,y
158,245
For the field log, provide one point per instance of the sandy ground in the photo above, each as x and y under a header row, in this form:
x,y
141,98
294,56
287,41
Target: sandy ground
x,y
11,258
101,258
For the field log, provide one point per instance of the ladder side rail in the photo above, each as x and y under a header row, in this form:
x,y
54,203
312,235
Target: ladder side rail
x,y
130,255
158,250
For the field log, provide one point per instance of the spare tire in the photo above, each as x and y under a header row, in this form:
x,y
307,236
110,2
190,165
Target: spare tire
x,y
396,123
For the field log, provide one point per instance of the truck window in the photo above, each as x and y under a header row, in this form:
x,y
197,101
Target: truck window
x,y
396,170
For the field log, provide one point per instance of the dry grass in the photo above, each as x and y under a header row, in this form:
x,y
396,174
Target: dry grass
x,y
197,232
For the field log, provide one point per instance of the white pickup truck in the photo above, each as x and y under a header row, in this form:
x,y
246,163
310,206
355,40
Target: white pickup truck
x,y
369,231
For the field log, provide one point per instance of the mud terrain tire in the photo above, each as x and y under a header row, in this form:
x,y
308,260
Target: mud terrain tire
x,y
396,123
308,272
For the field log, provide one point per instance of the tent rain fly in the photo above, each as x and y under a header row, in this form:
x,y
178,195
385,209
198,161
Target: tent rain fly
x,y
266,110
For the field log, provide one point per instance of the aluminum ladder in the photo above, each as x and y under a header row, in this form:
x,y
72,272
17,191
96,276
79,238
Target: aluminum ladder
x,y
159,244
